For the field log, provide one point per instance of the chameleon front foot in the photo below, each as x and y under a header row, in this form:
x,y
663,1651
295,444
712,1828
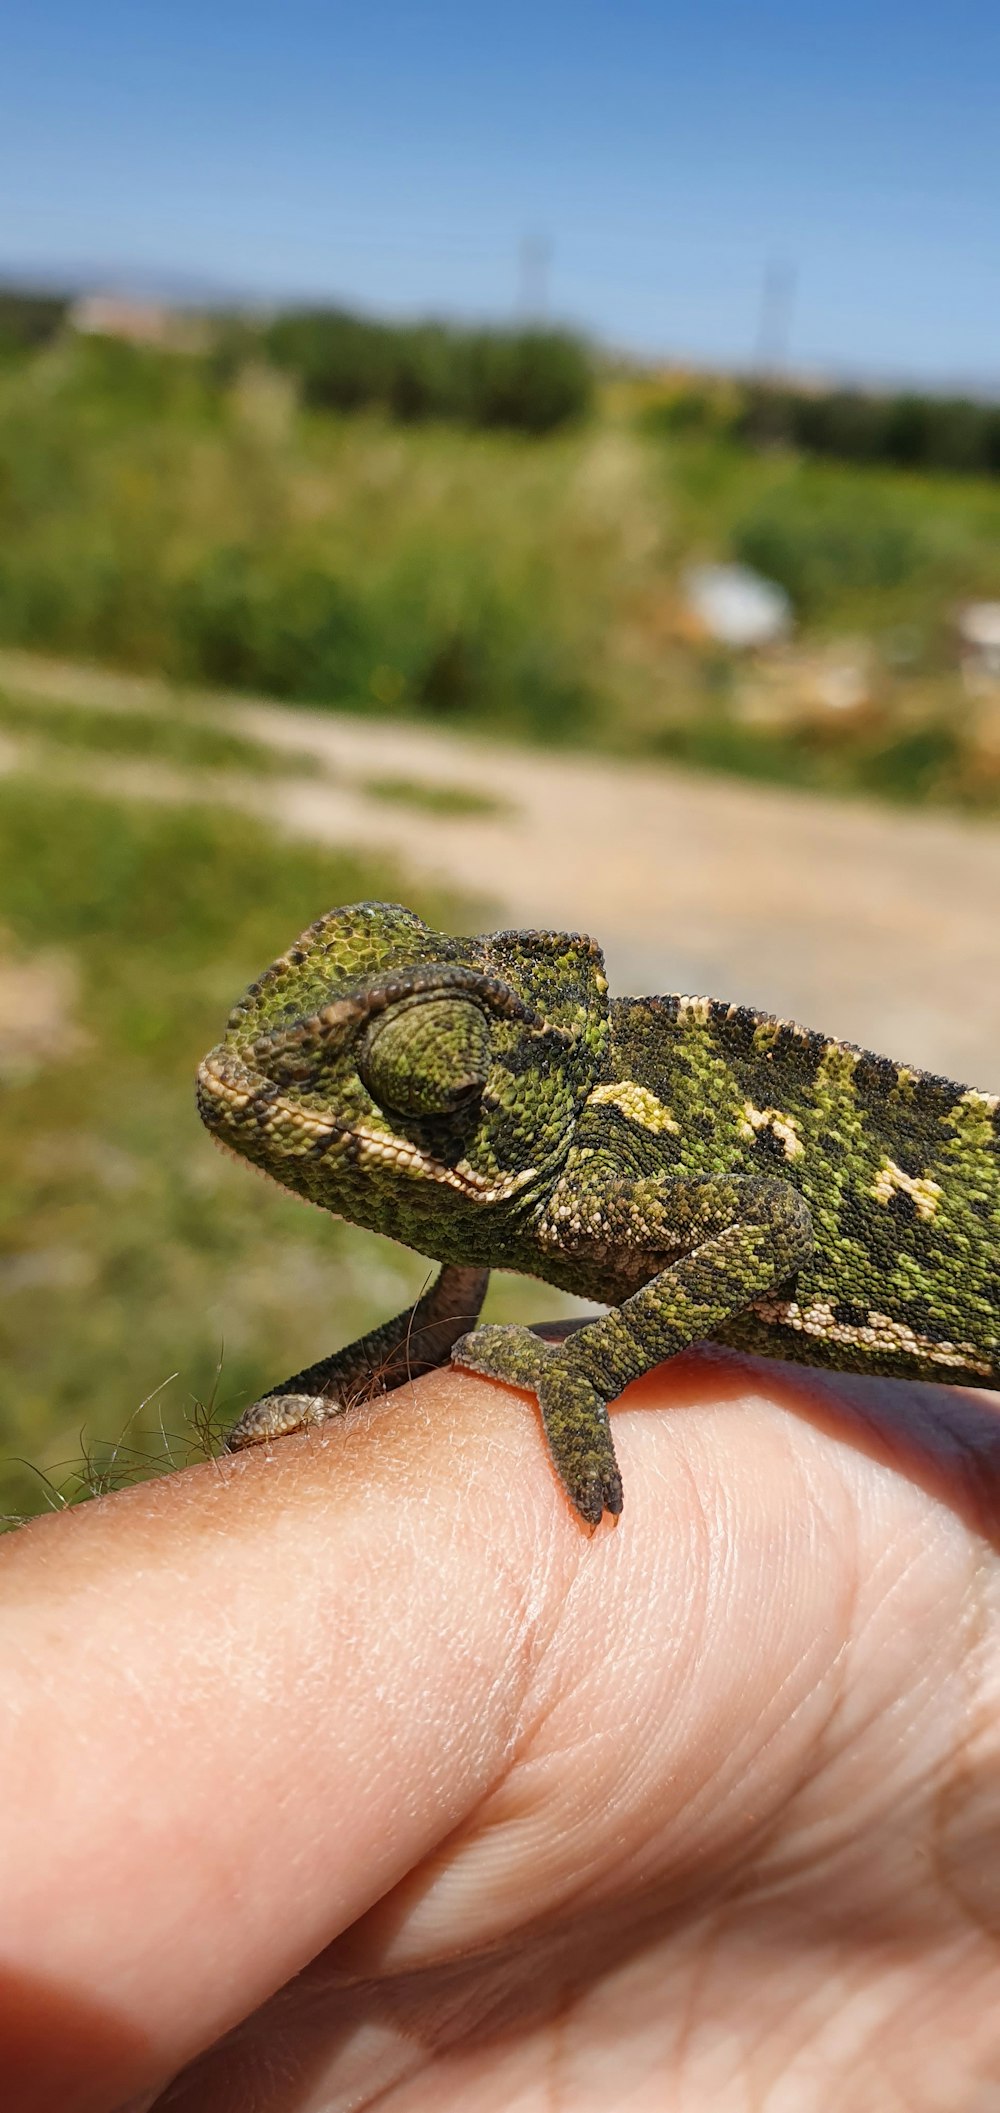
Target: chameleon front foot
x,y
573,1413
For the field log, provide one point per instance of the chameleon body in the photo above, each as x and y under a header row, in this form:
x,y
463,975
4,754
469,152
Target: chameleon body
x,y
704,1170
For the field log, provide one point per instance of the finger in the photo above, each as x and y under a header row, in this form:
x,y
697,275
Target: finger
x,y
240,1703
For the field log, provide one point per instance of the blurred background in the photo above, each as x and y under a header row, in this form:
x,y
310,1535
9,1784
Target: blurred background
x,y
545,470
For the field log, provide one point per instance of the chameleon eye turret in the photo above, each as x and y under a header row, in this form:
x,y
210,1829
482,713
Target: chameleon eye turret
x,y
427,1056
700,1168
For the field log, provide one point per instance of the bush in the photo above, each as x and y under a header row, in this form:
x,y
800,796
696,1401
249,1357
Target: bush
x,y
28,320
532,380
820,544
909,430
246,625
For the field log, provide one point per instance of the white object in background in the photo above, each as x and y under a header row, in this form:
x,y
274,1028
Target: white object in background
x,y
737,607
979,631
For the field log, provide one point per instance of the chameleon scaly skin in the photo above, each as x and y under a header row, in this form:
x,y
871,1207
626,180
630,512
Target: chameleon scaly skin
x,y
706,1170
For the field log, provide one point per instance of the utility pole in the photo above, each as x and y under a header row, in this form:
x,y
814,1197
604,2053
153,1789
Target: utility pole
x,y
534,259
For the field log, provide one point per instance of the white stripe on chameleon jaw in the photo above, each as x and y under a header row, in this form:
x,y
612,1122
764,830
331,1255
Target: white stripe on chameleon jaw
x,y
396,1153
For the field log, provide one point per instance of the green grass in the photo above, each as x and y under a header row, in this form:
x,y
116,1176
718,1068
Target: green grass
x,y
431,798
168,736
173,515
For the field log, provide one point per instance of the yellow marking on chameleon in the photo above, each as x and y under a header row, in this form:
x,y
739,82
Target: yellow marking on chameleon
x,y
637,1102
989,1101
784,1127
879,1332
924,1193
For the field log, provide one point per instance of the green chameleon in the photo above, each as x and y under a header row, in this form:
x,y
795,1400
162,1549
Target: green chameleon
x,y
701,1168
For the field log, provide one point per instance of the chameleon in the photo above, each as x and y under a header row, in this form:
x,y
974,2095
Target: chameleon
x,y
702,1170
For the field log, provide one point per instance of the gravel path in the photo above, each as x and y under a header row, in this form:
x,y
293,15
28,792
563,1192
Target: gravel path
x,y
863,921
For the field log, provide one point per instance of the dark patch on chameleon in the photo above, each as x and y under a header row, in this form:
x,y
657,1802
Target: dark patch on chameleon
x,y
902,1206
767,1145
923,1323
740,1029
520,1061
875,1078
849,1314
795,1052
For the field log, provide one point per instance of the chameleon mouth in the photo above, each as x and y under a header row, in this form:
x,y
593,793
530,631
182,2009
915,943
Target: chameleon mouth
x,y
387,1150
236,1104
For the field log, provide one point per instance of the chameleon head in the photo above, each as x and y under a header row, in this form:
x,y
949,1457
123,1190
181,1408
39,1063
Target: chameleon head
x,y
380,1068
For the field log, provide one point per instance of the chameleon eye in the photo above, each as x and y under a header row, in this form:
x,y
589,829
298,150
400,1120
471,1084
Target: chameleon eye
x,y
429,1057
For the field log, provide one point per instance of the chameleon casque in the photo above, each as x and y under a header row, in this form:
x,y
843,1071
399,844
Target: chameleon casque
x,y
701,1168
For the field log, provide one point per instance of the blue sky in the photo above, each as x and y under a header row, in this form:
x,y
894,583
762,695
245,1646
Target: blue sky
x,y
396,156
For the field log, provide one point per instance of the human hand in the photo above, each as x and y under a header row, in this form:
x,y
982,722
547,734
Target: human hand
x,y
360,1765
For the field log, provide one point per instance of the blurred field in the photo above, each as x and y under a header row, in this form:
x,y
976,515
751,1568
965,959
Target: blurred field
x,y
188,515
191,520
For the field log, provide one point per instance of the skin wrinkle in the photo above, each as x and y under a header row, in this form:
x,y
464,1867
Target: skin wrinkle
x,y
580,1892
956,1790
912,1564
540,1721
576,1894
815,1738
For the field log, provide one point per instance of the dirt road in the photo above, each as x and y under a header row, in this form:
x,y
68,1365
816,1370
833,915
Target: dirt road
x,y
866,922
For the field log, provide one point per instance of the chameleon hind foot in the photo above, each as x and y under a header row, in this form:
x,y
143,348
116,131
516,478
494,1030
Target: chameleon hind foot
x,y
276,1415
573,1413
401,1349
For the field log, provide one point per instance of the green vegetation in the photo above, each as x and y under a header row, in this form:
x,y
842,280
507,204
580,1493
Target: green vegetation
x,y
191,515
163,737
906,430
909,431
431,798
29,319
531,380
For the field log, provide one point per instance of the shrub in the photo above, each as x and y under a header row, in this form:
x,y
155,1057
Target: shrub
x,y
531,380
910,430
534,380
28,320
245,624
820,544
